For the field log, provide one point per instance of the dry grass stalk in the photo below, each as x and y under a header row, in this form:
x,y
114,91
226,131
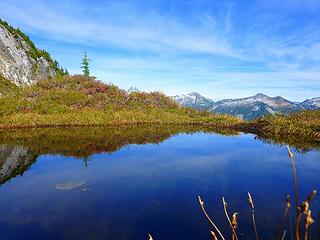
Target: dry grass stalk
x,y
208,217
288,206
234,234
253,216
294,175
213,235
283,235
308,221
304,209
234,222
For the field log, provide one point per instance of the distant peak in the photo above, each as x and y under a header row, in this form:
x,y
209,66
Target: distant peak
x,y
260,95
194,93
133,89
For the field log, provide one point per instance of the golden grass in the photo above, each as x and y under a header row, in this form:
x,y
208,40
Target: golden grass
x,y
304,123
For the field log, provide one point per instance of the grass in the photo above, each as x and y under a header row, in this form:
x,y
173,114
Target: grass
x,y
300,129
306,122
7,88
83,101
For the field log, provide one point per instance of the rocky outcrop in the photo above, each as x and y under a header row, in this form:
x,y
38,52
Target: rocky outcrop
x,y
20,61
14,161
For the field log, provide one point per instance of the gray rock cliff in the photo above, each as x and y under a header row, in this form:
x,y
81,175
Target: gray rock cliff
x,y
20,61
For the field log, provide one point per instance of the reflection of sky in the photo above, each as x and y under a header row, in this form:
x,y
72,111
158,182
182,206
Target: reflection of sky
x,y
153,188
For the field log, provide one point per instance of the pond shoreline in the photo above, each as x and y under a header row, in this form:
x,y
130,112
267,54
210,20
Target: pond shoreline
x,y
263,131
254,127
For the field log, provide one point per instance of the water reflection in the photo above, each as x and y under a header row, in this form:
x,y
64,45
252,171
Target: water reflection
x,y
144,179
14,160
83,142
19,149
300,143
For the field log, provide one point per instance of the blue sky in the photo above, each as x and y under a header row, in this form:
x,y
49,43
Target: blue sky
x,y
222,49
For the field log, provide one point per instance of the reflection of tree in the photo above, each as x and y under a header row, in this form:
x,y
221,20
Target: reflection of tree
x,y
83,142
86,161
300,144
20,147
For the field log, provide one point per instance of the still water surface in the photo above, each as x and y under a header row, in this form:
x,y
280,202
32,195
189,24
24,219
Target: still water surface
x,y
149,186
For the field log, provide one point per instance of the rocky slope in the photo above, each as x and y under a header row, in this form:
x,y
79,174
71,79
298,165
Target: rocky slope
x,y
247,108
20,61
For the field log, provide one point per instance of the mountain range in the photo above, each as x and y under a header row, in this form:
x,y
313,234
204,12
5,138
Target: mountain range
x,y
247,108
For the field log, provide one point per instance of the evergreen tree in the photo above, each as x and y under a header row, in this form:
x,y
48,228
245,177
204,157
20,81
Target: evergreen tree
x,y
85,65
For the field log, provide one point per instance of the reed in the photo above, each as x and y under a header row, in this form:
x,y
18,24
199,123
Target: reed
x,y
253,216
294,175
232,226
282,233
214,236
209,219
302,210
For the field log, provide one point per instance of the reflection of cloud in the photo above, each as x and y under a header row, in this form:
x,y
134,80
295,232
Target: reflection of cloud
x,y
69,185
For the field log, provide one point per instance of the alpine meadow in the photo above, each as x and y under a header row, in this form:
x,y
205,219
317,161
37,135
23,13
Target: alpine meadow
x,y
159,119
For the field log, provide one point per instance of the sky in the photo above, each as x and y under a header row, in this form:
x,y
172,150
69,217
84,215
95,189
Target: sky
x,y
221,49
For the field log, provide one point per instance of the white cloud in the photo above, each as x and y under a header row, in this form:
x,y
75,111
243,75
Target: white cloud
x,y
128,29
204,52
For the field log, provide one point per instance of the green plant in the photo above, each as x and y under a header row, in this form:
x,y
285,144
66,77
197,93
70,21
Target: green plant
x,y
85,65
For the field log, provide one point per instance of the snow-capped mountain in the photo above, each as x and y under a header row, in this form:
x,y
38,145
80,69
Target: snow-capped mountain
x,y
313,103
247,108
133,89
255,106
194,100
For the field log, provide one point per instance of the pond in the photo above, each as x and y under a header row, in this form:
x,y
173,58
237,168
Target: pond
x,y
123,183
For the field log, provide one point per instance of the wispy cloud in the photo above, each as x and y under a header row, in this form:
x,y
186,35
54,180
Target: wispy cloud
x,y
220,48
121,25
